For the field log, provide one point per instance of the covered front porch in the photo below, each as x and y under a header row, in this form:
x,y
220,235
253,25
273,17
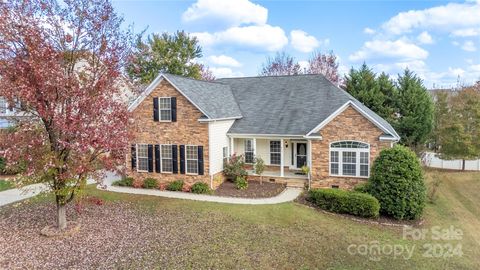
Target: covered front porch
x,y
283,156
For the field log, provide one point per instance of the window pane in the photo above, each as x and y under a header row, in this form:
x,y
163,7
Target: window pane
x,y
334,156
165,115
167,162
349,169
363,157
249,145
192,152
192,166
349,157
164,103
275,158
349,144
334,168
248,157
142,157
363,170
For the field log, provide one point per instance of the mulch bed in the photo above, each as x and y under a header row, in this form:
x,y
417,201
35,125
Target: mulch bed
x,y
254,190
382,220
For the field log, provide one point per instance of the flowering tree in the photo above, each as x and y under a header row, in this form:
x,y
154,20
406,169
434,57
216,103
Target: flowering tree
x,y
281,64
325,64
62,62
207,74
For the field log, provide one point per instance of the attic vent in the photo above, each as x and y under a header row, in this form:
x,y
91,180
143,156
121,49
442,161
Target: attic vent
x,y
335,186
272,180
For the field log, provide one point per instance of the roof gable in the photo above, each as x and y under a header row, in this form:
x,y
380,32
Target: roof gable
x,y
214,100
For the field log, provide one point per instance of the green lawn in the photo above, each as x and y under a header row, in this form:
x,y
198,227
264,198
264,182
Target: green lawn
x,y
4,185
294,236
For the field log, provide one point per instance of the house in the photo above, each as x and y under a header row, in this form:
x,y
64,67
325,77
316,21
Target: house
x,y
185,129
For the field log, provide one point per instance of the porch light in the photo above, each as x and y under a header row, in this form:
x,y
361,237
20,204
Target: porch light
x,y
286,144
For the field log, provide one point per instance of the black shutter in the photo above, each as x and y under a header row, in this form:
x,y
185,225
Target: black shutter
x,y
173,107
150,158
155,109
200,160
174,159
182,159
158,162
134,156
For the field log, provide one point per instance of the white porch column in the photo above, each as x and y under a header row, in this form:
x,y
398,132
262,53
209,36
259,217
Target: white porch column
x,y
232,151
254,147
282,143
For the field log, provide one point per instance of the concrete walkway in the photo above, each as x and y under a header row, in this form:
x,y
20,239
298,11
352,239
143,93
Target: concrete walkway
x,y
288,195
18,194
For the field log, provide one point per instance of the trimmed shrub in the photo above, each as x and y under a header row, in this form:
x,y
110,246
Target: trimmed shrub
x,y
397,182
125,182
345,202
176,185
362,188
200,188
241,182
235,167
150,183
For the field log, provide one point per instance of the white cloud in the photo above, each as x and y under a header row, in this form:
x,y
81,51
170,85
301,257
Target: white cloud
x,y
401,49
234,13
224,60
223,72
467,32
264,37
425,38
302,41
448,17
469,46
369,31
456,72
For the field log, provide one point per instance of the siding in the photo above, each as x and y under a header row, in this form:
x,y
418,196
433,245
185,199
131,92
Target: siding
x,y
217,135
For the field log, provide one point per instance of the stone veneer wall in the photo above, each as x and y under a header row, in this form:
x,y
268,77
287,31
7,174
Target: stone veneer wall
x,y
349,125
187,130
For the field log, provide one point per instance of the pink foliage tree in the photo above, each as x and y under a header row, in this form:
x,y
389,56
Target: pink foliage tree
x,y
279,65
62,62
325,64
207,74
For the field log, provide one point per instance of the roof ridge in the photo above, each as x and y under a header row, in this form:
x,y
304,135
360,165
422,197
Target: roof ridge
x,y
270,76
188,78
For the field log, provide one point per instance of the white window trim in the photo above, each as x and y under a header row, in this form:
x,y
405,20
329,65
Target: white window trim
x,y
137,159
159,110
161,159
340,160
186,160
227,156
270,152
245,150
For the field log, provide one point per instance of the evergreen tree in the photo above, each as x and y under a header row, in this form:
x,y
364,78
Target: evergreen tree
x,y
389,91
414,121
364,86
174,54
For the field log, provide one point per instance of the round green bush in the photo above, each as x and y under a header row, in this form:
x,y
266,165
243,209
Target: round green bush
x,y
345,202
176,185
150,183
241,182
200,188
397,182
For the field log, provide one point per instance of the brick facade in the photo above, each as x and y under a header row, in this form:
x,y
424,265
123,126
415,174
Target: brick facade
x,y
349,125
185,131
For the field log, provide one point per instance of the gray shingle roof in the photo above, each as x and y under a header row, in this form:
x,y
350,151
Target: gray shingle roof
x,y
214,99
287,105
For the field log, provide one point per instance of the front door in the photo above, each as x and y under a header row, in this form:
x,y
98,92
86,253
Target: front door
x,y
301,154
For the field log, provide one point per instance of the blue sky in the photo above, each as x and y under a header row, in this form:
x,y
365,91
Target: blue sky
x,y
439,40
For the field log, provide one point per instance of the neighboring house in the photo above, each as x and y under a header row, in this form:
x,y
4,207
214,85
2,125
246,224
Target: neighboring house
x,y
185,129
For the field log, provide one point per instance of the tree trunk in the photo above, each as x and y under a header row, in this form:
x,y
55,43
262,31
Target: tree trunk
x,y
61,216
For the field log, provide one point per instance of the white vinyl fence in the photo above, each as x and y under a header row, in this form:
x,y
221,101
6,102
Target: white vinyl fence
x,y
430,159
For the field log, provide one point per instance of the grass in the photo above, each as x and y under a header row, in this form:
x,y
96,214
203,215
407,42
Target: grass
x,y
294,236
4,185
